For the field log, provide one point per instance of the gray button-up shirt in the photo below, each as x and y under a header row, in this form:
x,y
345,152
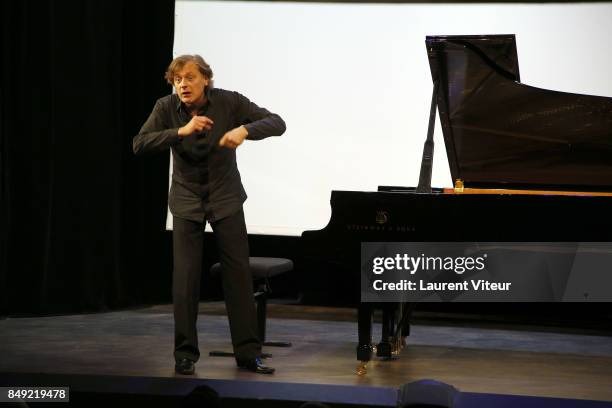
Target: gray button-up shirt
x,y
205,179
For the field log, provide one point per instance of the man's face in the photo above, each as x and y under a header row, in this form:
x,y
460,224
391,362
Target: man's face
x,y
190,83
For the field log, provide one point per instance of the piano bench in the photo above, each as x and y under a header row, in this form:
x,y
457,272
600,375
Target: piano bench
x,y
262,269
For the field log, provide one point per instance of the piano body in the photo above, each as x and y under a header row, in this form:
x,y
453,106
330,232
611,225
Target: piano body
x,y
528,164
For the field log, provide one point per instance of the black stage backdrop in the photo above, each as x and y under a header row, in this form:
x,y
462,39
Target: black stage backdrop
x,y
80,215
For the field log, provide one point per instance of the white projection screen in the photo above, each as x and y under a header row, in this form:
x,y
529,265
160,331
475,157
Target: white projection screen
x,y
352,82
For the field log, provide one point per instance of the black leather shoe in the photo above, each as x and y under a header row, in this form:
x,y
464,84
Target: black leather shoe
x,y
255,365
184,366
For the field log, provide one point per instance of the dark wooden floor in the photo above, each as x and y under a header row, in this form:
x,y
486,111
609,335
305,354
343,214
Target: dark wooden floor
x,y
139,343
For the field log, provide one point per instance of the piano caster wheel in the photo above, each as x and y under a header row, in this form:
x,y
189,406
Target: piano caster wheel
x,y
361,368
384,350
400,343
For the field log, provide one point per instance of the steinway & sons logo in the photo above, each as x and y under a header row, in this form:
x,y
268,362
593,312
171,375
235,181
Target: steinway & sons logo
x,y
381,223
382,217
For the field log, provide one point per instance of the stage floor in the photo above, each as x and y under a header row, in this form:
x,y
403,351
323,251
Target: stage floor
x,y
482,360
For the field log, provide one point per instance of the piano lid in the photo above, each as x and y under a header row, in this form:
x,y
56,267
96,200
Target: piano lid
x,y
500,133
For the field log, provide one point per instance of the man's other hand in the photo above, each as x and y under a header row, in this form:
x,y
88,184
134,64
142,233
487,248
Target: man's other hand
x,y
234,137
195,125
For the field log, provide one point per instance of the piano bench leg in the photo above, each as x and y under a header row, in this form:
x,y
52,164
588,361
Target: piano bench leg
x,y
276,344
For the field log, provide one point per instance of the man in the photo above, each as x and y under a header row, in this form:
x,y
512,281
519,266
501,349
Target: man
x,y
203,126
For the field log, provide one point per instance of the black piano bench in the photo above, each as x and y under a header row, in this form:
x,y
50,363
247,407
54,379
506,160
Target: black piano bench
x,y
262,269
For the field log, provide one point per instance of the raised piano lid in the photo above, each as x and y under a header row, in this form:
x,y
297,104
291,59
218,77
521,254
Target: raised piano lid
x,y
502,134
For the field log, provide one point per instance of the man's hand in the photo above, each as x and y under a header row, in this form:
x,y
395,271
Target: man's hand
x,y
234,137
195,125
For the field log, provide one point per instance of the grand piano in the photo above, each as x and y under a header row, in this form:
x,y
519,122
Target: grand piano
x,y
527,164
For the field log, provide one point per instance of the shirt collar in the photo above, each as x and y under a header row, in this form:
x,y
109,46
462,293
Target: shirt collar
x,y
180,105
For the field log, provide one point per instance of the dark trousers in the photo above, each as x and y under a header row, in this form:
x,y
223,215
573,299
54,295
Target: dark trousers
x,y
232,242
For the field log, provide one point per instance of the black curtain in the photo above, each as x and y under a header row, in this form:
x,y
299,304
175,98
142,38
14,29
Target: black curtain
x,y
82,219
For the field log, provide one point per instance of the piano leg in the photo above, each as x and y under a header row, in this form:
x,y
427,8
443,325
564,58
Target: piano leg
x,y
364,348
396,326
387,346
403,329
395,329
